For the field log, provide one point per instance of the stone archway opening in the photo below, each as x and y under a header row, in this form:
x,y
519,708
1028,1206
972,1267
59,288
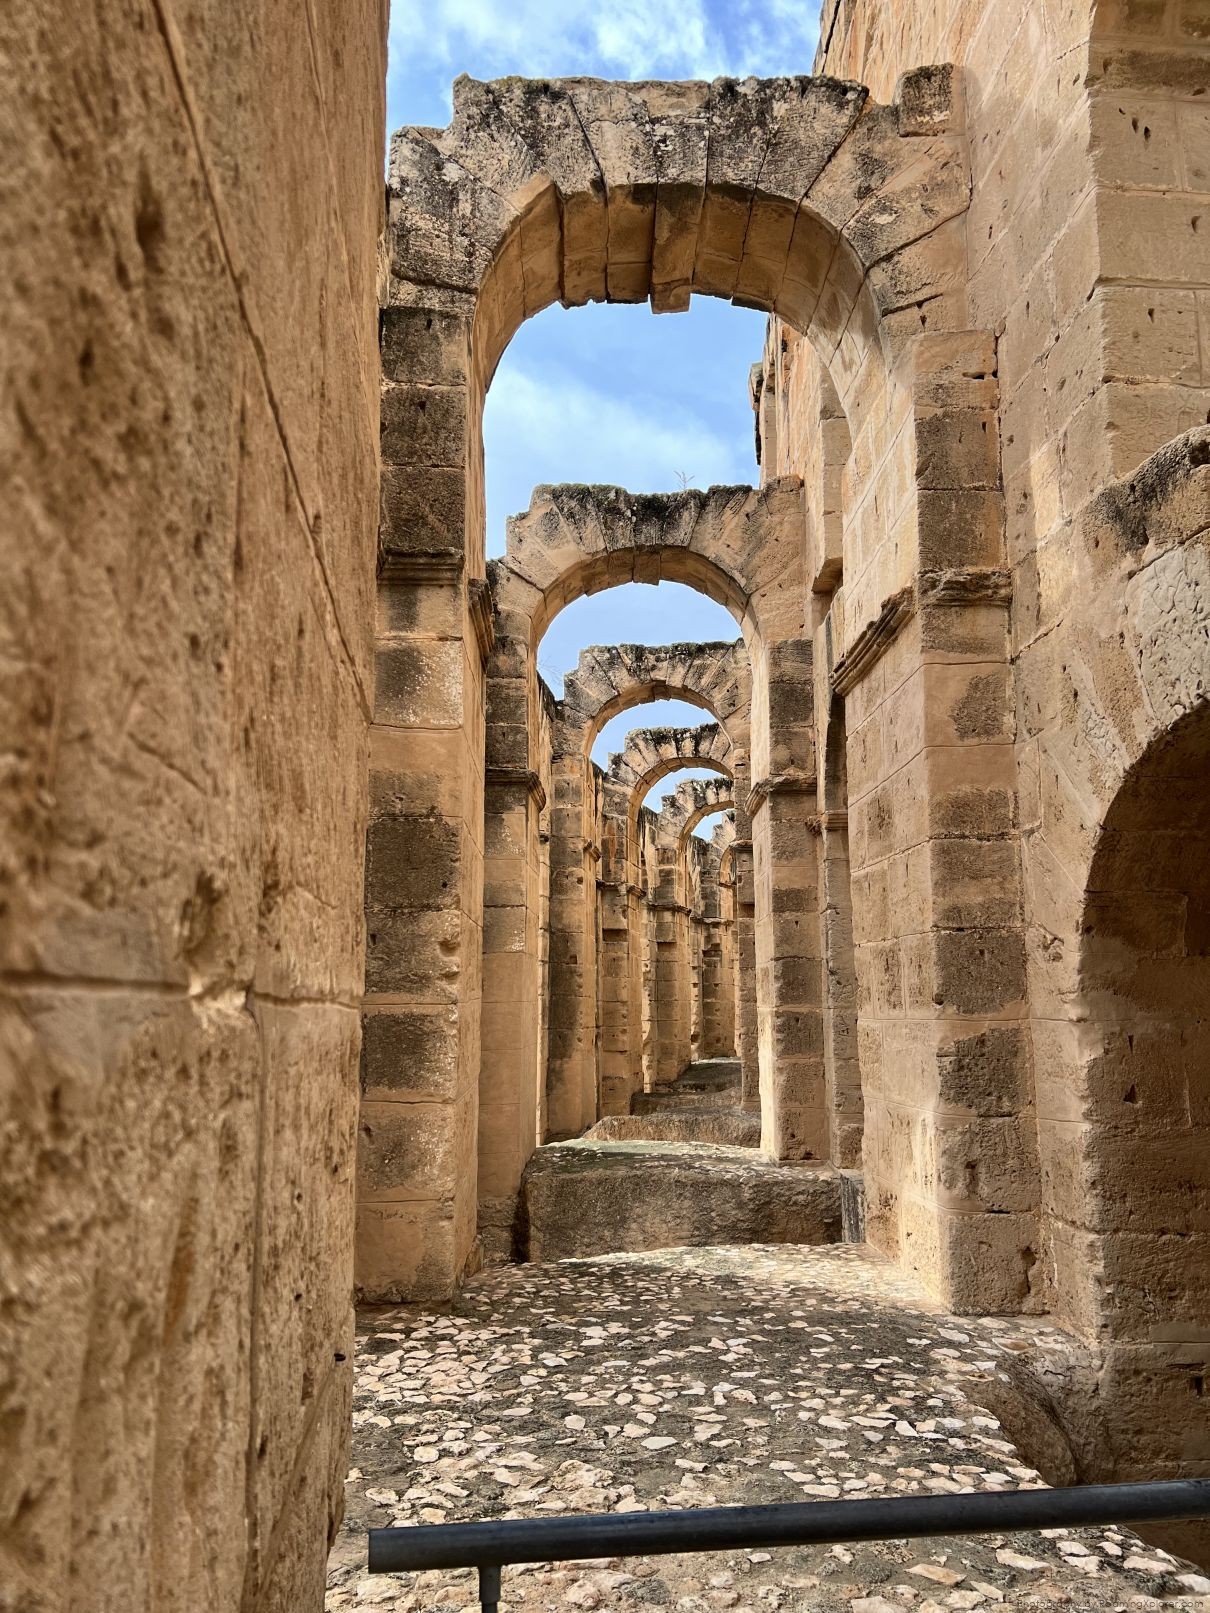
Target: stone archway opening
x,y
1132,1187
849,227
564,921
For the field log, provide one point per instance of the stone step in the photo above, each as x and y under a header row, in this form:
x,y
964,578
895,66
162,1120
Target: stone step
x,y
733,1127
585,1198
667,1100
707,1083
704,1075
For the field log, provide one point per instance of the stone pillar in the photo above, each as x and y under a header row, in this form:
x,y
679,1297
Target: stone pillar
x,y
728,1036
648,970
717,1039
511,1062
615,1053
697,984
788,964
950,1148
424,854
571,1073
794,1120
636,927
747,1043
670,1019
842,1071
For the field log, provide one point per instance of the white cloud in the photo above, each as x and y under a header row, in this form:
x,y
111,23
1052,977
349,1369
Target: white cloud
x,y
773,37
633,38
542,425
624,38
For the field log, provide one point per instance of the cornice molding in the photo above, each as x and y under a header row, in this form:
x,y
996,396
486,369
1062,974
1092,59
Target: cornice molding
x,y
872,643
479,602
441,567
968,585
524,777
792,783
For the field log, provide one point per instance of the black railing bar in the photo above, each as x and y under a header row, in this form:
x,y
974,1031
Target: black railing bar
x,y
490,1544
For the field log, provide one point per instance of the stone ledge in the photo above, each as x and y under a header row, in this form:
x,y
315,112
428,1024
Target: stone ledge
x,y
586,1198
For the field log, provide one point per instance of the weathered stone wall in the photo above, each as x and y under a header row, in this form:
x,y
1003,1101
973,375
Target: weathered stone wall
x,y
1087,261
1118,984
189,208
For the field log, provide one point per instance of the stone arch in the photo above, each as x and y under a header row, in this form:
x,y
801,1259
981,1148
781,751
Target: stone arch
x,y
739,545
795,195
688,895
605,996
610,679
690,802
1144,981
1131,674
650,755
679,815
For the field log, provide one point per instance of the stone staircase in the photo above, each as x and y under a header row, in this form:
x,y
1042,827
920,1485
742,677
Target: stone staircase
x,y
682,1170
701,1106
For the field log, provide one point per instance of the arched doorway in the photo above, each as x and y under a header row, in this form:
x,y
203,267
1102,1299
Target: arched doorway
x,y
1133,1183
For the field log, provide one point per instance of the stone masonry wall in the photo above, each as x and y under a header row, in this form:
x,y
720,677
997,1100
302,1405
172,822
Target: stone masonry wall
x,y
189,207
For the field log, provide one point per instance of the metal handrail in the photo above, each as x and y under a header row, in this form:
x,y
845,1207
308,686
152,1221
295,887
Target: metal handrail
x,y
489,1545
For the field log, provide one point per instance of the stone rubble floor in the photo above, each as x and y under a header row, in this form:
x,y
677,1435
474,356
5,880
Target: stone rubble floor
x,y
699,1377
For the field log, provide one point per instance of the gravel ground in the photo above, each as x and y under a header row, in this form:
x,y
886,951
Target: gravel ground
x,y
699,1377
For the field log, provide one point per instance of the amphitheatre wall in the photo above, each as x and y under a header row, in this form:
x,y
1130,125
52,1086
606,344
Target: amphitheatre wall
x,y
186,674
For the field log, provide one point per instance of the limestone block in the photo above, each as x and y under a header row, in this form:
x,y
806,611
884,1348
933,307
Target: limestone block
x,y
545,115
986,1164
415,956
619,128
977,970
158,1205
423,510
424,424
419,682
928,101
957,448
428,345
989,1263
409,1053
986,1071
407,1152
453,221
307,1195
407,1251
413,862
974,882
581,1199
731,1128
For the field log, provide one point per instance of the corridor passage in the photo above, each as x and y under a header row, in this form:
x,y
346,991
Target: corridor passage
x,y
693,1377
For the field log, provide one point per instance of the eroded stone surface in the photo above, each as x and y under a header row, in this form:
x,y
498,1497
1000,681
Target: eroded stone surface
x,y
585,1198
730,1127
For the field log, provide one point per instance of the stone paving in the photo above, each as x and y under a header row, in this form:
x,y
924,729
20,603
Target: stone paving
x,y
694,1377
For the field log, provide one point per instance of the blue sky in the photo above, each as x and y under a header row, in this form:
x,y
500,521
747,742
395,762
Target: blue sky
x,y
606,393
